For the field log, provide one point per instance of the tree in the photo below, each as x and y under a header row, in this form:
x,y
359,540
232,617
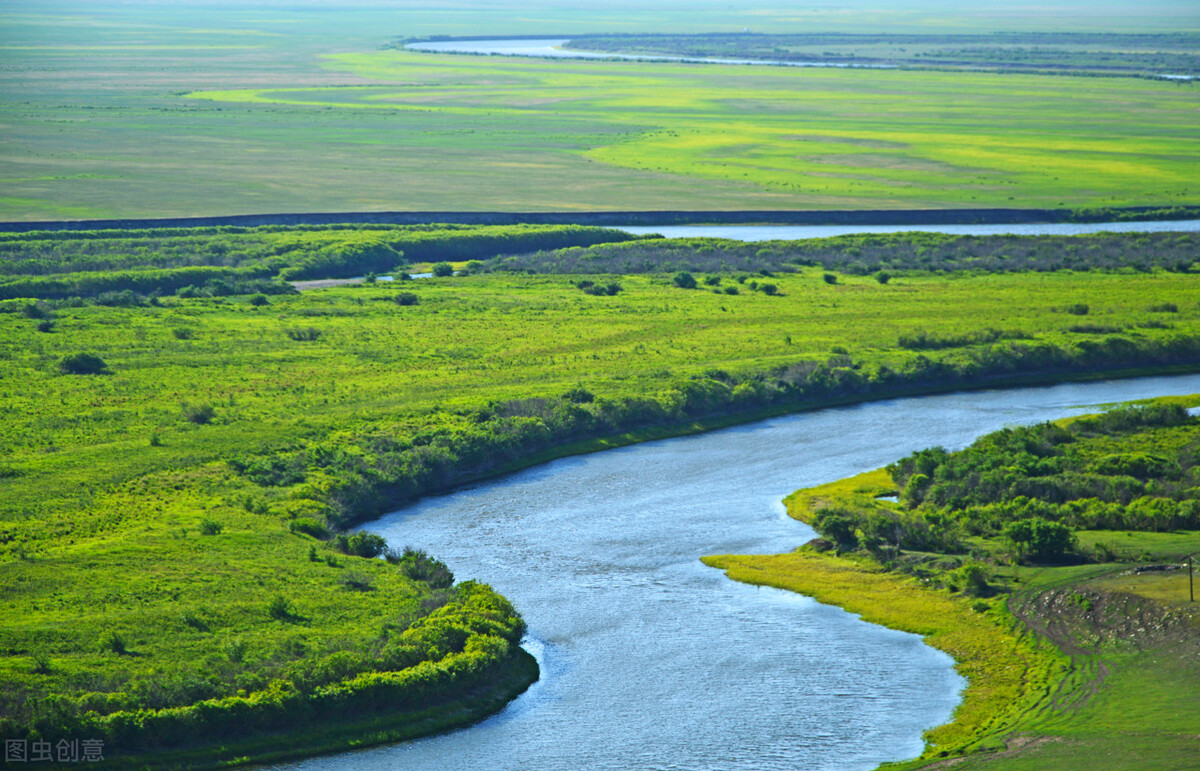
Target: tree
x,y
443,269
1040,540
830,278
684,280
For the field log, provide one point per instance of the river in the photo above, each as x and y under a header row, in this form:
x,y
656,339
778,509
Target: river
x,y
793,232
552,49
650,660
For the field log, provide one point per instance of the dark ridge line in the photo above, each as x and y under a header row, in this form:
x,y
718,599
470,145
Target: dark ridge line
x,y
645,218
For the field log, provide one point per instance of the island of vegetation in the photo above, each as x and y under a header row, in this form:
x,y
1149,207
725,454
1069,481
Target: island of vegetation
x,y
189,441
1072,53
1051,561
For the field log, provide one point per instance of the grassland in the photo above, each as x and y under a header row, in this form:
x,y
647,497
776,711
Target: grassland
x,y
168,526
298,112
1087,665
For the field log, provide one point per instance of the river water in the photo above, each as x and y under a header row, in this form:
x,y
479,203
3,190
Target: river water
x,y
650,660
793,232
552,49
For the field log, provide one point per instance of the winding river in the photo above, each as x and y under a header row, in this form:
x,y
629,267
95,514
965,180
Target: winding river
x,y
651,660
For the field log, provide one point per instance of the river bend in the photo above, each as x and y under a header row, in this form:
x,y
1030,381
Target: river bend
x,y
651,660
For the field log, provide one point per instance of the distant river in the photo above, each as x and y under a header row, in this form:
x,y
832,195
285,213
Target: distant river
x,y
552,49
793,232
650,660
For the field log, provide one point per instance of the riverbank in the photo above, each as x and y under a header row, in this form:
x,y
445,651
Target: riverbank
x,y
1063,661
510,679
963,216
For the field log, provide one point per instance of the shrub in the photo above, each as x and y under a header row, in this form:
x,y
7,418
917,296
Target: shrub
x,y
359,582
183,333
972,577
579,395
259,300
684,280
406,298
731,290
210,527
199,413
45,325
443,269
82,364
1078,309
113,642
360,544
309,526
279,608
883,277
34,311
829,278
419,566
1164,308
475,266
304,334
712,280
769,289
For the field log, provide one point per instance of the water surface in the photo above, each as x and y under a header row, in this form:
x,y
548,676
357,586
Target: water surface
x,y
553,49
651,660
795,232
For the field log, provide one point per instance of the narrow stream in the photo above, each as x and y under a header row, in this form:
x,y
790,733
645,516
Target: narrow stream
x,y
651,660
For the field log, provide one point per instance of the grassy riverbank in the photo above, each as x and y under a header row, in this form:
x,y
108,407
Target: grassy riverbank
x,y
1089,655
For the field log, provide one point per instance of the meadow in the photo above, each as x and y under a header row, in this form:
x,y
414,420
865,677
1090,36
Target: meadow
x,y
1087,652
151,111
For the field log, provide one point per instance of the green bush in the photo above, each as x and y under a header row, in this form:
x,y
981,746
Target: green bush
x,y
199,414
82,364
210,527
279,608
407,298
419,566
684,280
360,544
304,334
309,526
443,269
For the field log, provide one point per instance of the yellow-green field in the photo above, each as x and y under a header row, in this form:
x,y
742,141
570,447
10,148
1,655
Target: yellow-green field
x,y
98,122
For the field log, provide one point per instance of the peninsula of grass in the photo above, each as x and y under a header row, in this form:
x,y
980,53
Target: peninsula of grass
x,y
181,472
1048,562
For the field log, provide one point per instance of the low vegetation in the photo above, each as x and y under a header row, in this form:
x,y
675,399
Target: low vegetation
x,y
130,267
883,255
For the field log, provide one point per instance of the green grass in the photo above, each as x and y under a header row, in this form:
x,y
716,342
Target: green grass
x,y
302,112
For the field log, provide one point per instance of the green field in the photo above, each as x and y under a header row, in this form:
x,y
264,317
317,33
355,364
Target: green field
x,y
1074,662
146,111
